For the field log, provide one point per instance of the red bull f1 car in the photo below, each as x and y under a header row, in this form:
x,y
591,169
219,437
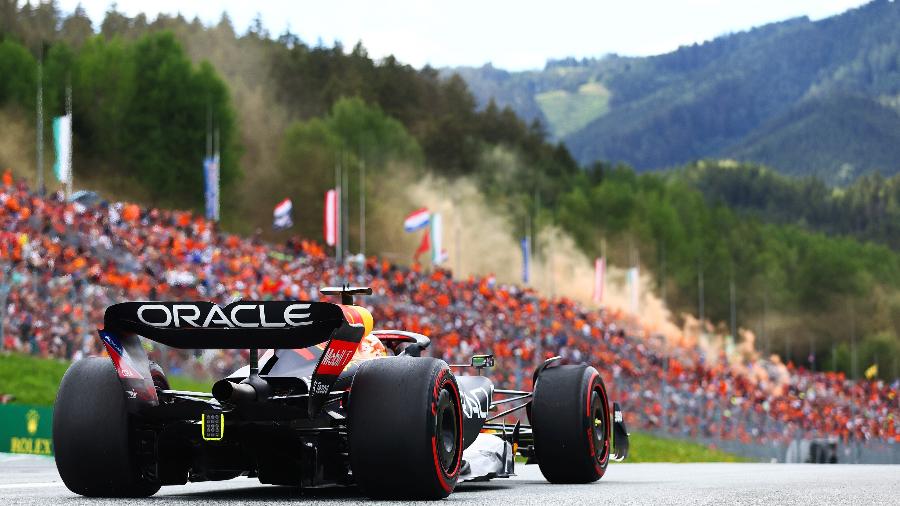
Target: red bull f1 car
x,y
333,402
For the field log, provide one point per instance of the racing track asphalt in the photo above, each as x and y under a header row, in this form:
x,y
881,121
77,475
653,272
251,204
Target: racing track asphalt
x,y
33,480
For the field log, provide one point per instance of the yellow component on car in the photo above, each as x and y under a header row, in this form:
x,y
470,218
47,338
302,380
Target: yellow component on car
x,y
212,426
368,321
369,345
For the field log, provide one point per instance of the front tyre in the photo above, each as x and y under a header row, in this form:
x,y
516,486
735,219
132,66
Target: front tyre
x,y
405,428
93,443
571,424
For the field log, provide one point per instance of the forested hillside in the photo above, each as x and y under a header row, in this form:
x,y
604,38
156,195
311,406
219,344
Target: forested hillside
x,y
276,84
804,97
801,291
146,91
868,209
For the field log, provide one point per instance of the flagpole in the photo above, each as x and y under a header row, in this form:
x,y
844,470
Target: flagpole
x,y
550,259
552,277
337,204
71,139
765,333
40,127
537,215
526,250
632,277
362,206
853,370
834,357
552,274
700,293
218,161
605,262
345,198
733,294
209,142
812,352
456,241
662,275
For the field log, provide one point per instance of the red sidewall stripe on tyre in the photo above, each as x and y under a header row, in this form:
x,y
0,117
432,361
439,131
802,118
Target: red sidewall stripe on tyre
x,y
598,463
438,386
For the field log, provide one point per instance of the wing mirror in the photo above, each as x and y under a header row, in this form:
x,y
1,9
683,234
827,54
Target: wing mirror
x,y
482,361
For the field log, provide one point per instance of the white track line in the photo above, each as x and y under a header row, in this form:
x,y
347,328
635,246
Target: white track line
x,y
5,486
15,457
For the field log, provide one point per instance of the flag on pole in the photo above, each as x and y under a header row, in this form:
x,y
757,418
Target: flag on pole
x,y
599,279
282,215
416,220
634,287
872,371
331,217
62,141
438,254
526,258
211,187
424,246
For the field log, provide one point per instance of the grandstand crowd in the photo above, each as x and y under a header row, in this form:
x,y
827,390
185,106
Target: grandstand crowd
x,y
63,263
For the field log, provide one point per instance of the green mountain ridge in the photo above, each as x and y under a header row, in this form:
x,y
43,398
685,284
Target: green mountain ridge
x,y
734,96
827,138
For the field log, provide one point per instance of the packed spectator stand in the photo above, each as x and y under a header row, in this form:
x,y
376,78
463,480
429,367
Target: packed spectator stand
x,y
63,263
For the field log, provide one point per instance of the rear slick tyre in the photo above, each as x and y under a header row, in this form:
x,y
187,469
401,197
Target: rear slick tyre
x,y
571,424
93,444
405,428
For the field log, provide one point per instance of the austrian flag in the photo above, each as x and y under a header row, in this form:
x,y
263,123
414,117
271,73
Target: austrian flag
x,y
417,220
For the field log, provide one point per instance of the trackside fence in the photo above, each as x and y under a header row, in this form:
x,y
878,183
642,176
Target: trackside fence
x,y
738,426
804,450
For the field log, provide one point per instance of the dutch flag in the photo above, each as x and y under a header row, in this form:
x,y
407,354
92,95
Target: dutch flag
x,y
417,220
282,215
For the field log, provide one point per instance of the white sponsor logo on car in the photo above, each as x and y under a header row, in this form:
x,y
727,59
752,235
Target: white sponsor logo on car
x,y
335,358
472,406
319,388
239,316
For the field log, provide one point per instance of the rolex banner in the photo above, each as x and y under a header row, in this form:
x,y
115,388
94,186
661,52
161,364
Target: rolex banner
x,y
26,429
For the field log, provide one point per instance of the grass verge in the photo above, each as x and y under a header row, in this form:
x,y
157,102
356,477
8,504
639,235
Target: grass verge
x,y
34,380
648,448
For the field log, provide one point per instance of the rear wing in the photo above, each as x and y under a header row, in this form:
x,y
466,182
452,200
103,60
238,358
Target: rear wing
x,y
239,325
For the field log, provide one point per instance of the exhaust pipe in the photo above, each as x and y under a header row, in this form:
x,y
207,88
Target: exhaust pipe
x,y
253,388
226,391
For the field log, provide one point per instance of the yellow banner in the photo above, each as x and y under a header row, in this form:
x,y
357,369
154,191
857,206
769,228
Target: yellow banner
x,y
872,371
